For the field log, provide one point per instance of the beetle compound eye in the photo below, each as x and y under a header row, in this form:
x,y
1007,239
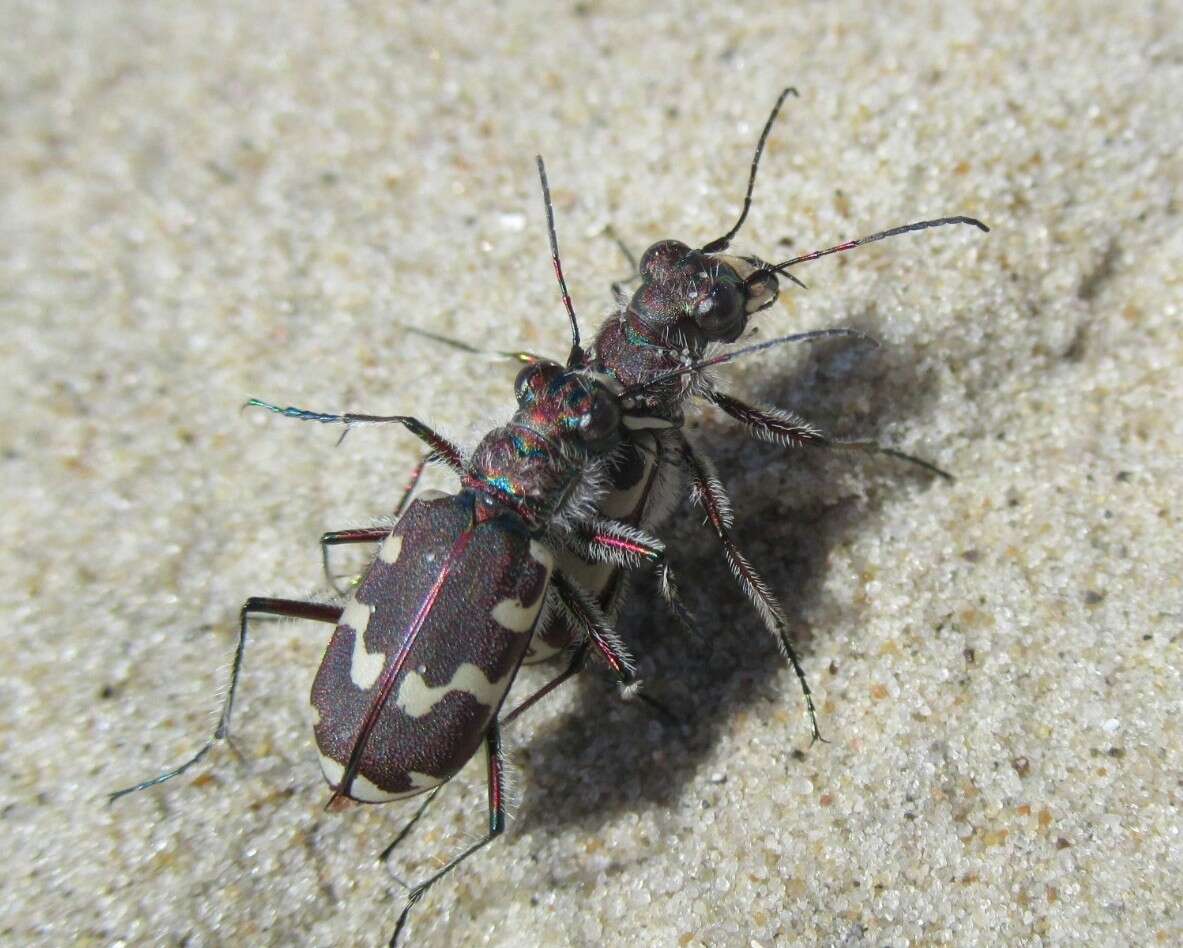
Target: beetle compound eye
x,y
719,314
521,385
601,425
531,380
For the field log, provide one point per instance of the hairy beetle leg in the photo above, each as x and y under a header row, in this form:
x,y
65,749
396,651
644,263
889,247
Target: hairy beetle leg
x,y
709,493
777,426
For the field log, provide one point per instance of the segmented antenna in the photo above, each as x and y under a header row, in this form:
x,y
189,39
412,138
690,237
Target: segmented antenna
x,y
724,242
851,244
576,356
746,350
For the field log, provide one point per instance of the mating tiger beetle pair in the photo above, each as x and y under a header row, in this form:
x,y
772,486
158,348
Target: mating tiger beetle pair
x,y
531,556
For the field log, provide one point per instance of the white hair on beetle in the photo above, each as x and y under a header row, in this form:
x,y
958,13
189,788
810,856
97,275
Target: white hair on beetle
x,y
601,626
757,591
630,691
575,540
550,602
702,380
512,787
789,420
718,496
591,483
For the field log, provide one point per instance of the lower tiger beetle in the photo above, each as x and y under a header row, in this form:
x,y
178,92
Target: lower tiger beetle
x,y
427,644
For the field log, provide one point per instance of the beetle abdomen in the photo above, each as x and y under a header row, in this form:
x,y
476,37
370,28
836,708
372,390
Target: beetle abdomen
x,y
427,648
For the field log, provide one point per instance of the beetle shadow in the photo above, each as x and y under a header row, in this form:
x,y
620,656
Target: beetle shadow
x,y
599,755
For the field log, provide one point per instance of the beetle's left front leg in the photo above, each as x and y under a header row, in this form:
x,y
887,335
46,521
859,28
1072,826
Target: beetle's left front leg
x,y
369,534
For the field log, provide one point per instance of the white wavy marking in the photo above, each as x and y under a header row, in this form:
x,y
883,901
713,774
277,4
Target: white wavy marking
x,y
416,697
392,546
365,667
618,505
514,615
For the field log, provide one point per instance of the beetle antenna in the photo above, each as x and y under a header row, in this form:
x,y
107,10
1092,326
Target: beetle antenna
x,y
722,243
851,244
576,356
747,350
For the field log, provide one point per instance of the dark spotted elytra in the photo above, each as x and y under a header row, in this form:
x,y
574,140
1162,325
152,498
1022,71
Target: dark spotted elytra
x,y
429,642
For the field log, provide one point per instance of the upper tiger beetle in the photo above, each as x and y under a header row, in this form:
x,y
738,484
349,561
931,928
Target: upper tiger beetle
x,y
427,644
654,347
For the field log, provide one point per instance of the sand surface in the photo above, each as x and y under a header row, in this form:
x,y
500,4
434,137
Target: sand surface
x,y
208,201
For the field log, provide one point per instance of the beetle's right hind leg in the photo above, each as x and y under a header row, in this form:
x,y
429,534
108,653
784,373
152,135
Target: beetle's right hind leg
x,y
708,492
787,429
256,605
496,825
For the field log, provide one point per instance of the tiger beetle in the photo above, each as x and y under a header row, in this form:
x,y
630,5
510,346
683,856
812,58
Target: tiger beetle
x,y
427,644
655,348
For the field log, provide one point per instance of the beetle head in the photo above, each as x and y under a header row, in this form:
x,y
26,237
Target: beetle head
x,y
689,298
575,409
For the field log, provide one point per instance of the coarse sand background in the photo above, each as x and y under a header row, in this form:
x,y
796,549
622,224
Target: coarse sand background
x,y
208,201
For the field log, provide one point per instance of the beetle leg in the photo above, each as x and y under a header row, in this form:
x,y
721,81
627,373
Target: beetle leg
x,y
574,667
340,538
673,599
619,293
369,534
789,430
496,825
621,544
591,619
402,834
413,481
588,616
708,492
256,605
440,446
873,447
